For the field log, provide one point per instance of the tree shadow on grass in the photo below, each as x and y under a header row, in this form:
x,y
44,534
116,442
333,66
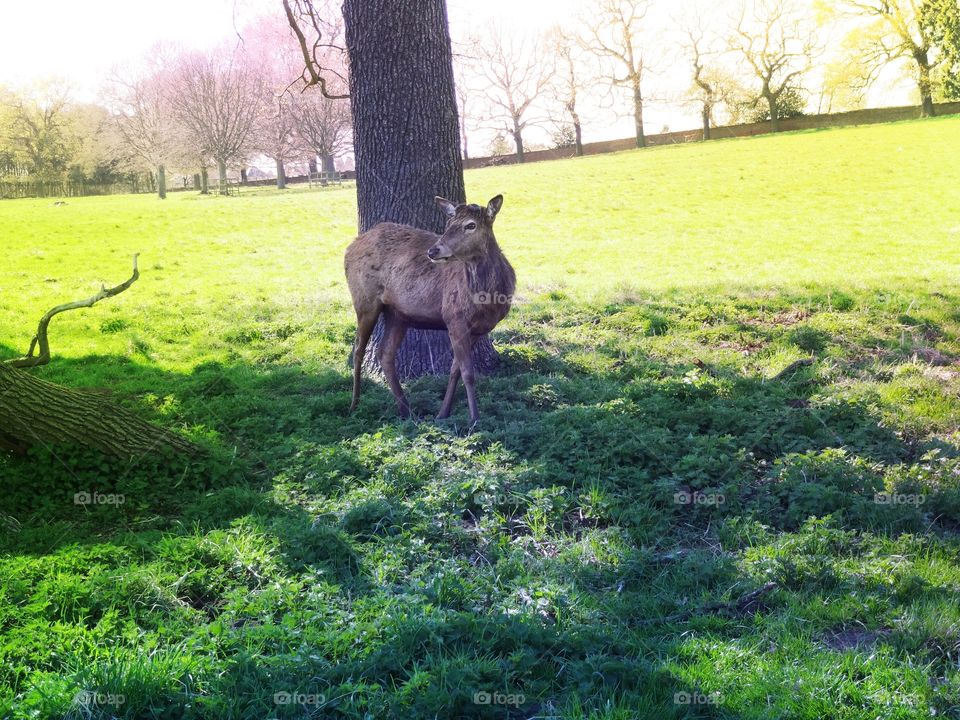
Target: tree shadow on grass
x,y
533,557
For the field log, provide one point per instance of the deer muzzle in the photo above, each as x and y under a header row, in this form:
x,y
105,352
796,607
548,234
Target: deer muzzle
x,y
438,253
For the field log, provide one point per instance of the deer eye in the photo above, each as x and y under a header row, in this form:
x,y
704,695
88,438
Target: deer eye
x,y
470,226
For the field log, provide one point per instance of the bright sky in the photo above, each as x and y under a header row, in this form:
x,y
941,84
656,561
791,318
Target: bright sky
x,y
80,40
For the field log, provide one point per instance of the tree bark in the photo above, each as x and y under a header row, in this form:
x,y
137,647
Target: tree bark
x,y
925,85
577,127
34,411
638,113
327,163
204,182
222,170
518,141
706,121
161,182
774,113
281,175
406,141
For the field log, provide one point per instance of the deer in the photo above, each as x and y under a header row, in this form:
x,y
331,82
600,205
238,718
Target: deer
x,y
459,281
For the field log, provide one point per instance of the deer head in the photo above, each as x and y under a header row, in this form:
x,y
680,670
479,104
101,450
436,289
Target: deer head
x,y
469,231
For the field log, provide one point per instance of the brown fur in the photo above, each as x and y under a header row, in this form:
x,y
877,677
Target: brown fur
x,y
467,291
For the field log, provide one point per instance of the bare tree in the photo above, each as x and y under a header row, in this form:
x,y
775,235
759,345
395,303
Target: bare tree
x,y
615,35
567,81
277,132
466,96
518,77
217,99
895,31
143,120
323,125
706,87
844,87
778,44
274,54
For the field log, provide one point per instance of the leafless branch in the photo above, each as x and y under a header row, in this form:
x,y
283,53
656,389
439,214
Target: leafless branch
x,y
316,69
40,339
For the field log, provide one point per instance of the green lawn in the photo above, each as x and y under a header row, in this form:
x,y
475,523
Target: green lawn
x,y
642,461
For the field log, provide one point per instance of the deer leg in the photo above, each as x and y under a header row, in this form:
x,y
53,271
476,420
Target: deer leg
x,y
451,391
462,342
393,333
366,321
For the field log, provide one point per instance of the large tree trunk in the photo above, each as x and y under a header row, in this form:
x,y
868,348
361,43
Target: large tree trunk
x,y
327,163
281,175
34,411
161,182
204,181
706,121
406,141
638,113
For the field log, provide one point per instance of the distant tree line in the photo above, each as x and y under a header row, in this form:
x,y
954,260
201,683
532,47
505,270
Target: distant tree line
x,y
761,62
178,111
194,113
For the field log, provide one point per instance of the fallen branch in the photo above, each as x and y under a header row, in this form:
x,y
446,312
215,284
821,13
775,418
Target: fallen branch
x,y
36,412
40,339
742,604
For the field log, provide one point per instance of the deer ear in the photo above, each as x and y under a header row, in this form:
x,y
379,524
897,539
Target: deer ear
x,y
449,208
493,207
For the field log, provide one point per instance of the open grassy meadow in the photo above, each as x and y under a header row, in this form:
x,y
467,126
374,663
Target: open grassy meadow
x,y
649,455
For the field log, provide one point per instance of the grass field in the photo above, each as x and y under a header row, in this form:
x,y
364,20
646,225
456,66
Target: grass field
x,y
642,462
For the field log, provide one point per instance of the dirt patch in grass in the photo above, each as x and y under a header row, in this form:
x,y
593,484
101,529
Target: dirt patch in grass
x,y
845,638
932,356
784,318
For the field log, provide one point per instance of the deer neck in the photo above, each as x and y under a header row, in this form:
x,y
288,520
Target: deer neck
x,y
491,273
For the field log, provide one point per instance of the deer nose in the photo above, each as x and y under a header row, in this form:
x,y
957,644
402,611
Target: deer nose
x,y
432,253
